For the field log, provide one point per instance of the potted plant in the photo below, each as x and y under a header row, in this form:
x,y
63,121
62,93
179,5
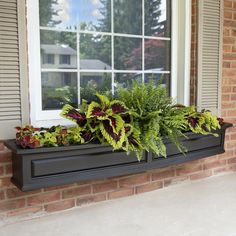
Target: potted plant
x,y
140,129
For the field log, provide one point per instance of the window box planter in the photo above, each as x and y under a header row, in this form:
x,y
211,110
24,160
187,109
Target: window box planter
x,y
44,167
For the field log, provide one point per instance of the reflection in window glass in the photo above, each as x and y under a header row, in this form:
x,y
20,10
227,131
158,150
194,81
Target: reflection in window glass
x,y
65,59
62,45
48,58
157,55
128,16
90,83
82,44
158,79
58,89
124,80
128,53
69,14
95,52
157,18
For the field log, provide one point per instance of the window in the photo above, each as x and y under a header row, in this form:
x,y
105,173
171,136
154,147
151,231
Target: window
x,y
102,45
65,59
48,58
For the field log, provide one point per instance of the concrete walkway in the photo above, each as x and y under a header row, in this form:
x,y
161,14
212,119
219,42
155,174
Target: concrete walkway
x,y
201,208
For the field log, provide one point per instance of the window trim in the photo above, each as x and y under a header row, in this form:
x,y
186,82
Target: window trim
x,y
180,28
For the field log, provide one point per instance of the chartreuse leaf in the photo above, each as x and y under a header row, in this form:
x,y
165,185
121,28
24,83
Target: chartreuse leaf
x,y
74,115
115,140
95,111
116,122
118,107
105,103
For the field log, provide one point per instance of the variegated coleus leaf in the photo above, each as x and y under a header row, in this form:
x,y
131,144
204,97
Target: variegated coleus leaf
x,y
95,111
74,115
116,122
114,139
105,102
118,107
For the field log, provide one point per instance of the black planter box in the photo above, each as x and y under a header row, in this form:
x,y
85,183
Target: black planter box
x,y
44,167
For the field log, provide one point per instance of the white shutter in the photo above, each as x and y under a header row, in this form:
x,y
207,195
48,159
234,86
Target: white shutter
x,y
209,54
10,92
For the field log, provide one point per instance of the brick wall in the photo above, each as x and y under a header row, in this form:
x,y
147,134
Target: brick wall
x,y
16,203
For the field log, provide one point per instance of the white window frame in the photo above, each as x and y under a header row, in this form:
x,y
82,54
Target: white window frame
x,y
180,61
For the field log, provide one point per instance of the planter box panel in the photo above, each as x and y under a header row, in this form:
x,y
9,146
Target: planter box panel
x,y
45,167
193,143
71,163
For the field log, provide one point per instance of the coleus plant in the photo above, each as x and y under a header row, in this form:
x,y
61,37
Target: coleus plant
x,y
30,137
109,122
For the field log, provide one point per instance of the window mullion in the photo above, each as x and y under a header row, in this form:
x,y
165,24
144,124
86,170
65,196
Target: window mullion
x,y
78,62
112,48
143,40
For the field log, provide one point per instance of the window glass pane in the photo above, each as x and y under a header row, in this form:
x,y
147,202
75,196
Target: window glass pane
x,y
95,52
124,80
59,89
62,45
157,55
128,53
163,79
69,14
128,16
90,83
157,18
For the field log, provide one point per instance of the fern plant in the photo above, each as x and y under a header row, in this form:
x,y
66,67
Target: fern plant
x,y
156,116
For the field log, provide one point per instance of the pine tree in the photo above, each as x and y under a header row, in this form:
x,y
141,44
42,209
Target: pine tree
x,y
152,15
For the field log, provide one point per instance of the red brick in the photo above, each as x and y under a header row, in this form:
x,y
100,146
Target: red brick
x,y
2,147
75,192
5,182
90,199
2,195
163,174
228,15
233,136
149,187
214,164
229,40
231,144
121,193
43,198
12,204
105,187
5,156
227,105
231,113
232,160
188,168
15,193
8,169
135,180
1,170
228,4
174,181
226,89
25,211
59,206
61,187
201,175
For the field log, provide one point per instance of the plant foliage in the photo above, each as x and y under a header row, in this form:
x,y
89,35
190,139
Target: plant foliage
x,y
141,118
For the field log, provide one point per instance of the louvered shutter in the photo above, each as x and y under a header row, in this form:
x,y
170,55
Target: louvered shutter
x,y
10,101
209,54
